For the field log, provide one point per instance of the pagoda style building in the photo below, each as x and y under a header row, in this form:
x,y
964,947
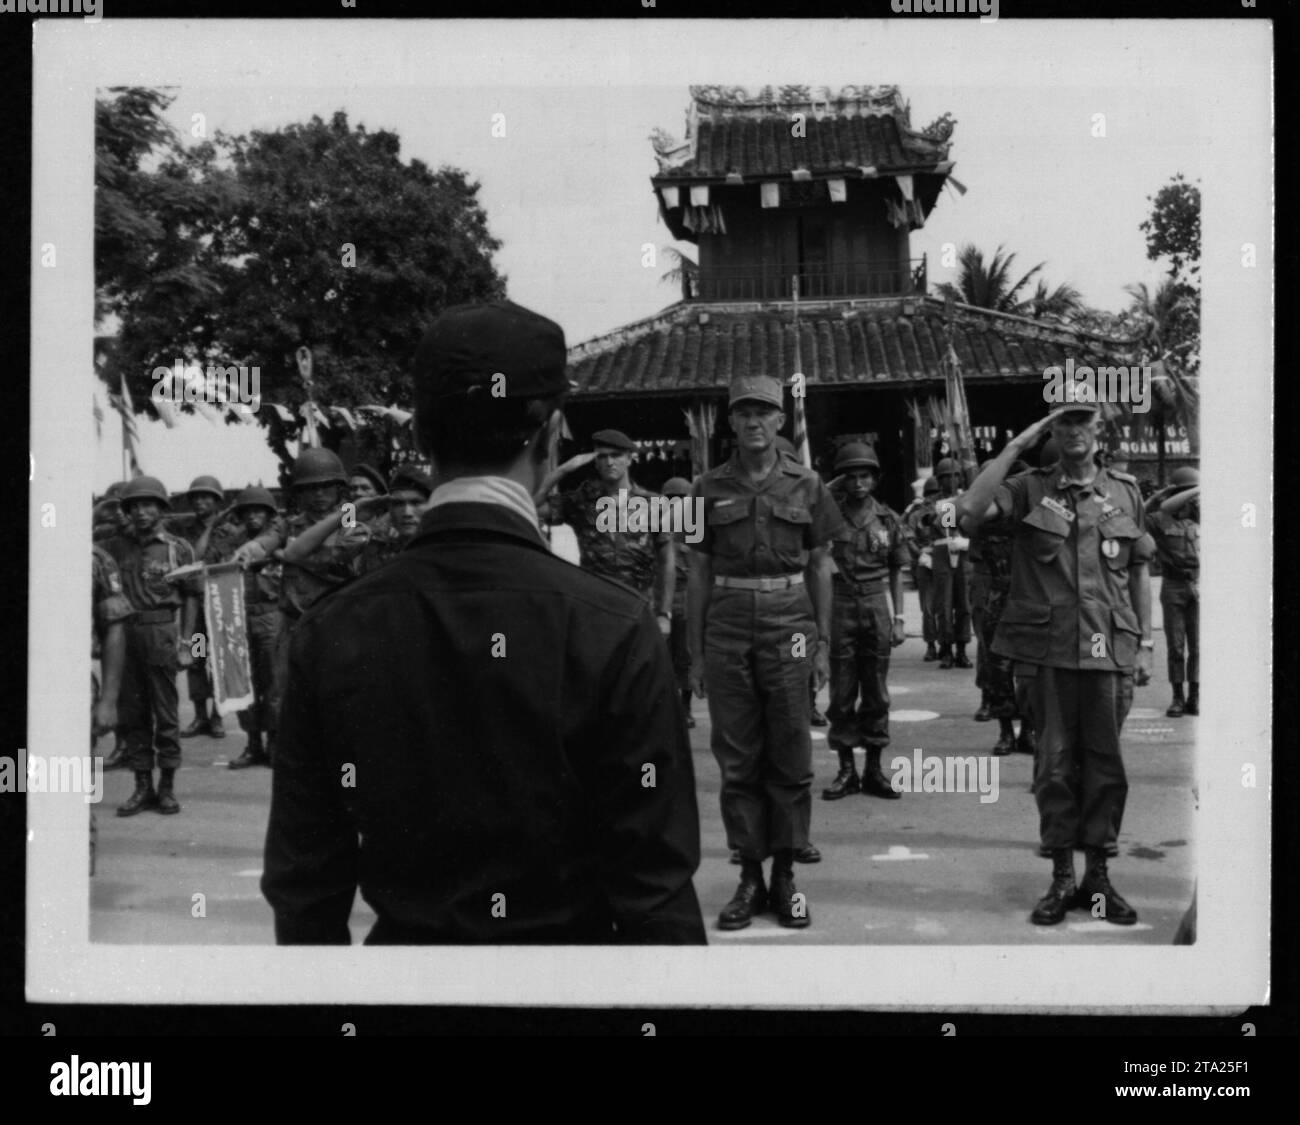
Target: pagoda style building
x,y
802,203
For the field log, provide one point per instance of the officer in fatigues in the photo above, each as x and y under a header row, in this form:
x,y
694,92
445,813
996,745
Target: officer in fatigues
x,y
213,539
1174,519
759,609
148,702
678,641
109,612
990,556
255,508
869,550
921,529
1077,618
951,575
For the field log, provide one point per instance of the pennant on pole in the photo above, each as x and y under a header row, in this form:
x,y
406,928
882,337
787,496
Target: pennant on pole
x,y
905,186
283,412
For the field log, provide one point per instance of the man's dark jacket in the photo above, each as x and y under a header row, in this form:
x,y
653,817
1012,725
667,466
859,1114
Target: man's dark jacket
x,y
488,741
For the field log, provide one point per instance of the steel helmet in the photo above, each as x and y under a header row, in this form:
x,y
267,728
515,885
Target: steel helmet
x,y
947,468
145,488
207,484
856,455
677,486
1186,477
930,487
317,466
252,497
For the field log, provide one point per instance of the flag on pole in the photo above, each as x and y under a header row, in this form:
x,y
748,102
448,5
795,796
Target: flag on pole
x,y
799,385
130,433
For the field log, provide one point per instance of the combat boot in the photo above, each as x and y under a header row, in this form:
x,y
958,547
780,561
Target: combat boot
x,y
1177,708
144,796
790,907
1026,741
117,759
962,660
750,898
945,656
846,781
874,782
253,754
930,653
1193,704
1006,739
200,724
808,854
167,803
1097,882
1054,905
216,728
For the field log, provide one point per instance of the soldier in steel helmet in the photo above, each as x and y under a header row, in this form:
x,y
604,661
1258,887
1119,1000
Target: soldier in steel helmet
x,y
951,576
155,647
262,533
921,530
759,609
1077,620
209,531
870,552
1174,520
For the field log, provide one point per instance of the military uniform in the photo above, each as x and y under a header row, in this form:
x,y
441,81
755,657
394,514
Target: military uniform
x,y
265,629
108,607
383,546
950,595
990,558
1178,547
758,646
148,702
628,556
921,529
868,547
1071,628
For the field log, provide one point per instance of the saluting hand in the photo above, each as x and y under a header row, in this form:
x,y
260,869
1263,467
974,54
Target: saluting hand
x,y
1029,434
575,463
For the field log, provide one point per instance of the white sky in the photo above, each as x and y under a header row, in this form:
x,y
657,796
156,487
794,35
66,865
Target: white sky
x,y
567,190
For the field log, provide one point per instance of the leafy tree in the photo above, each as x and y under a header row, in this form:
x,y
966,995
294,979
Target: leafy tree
x,y
314,235
1174,230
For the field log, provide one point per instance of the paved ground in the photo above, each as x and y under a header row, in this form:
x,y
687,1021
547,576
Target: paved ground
x,y
931,868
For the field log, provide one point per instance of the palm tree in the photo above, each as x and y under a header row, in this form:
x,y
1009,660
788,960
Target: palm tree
x,y
1176,398
685,272
1062,303
987,287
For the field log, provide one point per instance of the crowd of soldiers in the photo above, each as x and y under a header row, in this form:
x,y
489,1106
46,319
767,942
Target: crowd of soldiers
x,y
794,584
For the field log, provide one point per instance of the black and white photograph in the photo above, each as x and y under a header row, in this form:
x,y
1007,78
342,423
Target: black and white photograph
x,y
697,513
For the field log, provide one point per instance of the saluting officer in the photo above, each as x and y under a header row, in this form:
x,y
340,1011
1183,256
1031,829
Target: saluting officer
x,y
921,530
1077,618
1173,516
869,550
147,703
759,609
407,493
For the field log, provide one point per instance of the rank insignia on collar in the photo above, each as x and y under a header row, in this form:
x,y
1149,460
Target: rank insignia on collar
x,y
1056,506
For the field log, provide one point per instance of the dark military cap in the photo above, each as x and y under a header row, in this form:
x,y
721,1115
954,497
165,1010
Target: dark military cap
x,y
374,476
677,486
615,439
756,388
498,346
408,477
930,487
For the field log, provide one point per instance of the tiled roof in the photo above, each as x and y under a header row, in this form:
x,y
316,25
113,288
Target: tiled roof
x,y
765,147
844,344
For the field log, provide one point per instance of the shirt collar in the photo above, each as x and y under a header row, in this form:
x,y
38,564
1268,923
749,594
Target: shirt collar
x,y
502,491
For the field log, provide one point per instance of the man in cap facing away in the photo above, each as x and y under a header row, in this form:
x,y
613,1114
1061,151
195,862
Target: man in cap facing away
x,y
483,737
759,606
